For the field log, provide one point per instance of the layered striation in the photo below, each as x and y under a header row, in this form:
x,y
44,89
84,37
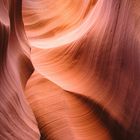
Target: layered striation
x,y
70,69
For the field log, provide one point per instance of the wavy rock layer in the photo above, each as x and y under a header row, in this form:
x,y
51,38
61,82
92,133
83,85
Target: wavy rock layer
x,y
17,121
84,57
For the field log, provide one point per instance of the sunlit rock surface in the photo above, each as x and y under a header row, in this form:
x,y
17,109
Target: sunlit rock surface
x,y
69,69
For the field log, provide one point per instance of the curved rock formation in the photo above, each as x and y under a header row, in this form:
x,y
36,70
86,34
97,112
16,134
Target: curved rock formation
x,y
82,62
